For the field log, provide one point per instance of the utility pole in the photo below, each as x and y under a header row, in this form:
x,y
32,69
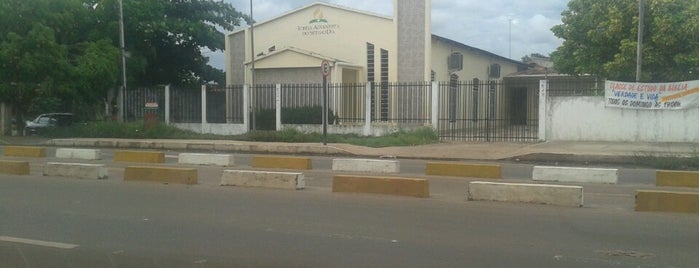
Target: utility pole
x,y
639,48
252,69
122,92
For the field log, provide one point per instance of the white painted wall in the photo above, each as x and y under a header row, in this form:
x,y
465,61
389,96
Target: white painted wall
x,y
587,119
218,129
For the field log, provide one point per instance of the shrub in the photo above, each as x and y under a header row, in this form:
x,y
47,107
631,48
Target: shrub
x,y
266,119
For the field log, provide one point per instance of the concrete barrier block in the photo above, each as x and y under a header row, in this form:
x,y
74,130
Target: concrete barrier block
x,y
684,202
464,170
381,185
677,178
14,167
265,179
24,151
526,193
139,156
573,174
366,165
161,174
206,159
281,162
83,154
76,170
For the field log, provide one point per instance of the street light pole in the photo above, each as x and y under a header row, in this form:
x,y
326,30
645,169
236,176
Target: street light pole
x,y
122,90
252,69
510,38
639,48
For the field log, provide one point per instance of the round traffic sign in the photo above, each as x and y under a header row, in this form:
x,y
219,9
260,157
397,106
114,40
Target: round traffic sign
x,y
325,68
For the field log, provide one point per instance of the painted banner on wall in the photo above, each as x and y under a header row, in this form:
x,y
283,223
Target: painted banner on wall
x,y
654,96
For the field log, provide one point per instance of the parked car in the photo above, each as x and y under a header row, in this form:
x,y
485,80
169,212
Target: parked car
x,y
47,120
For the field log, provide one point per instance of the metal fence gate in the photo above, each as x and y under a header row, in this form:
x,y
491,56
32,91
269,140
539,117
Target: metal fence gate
x,y
135,103
487,111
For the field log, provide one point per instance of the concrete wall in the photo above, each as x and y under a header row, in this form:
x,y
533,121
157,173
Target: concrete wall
x,y
587,119
289,75
413,39
235,62
218,129
375,129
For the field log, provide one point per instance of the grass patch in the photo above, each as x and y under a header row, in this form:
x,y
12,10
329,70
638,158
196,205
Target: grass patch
x,y
136,130
668,162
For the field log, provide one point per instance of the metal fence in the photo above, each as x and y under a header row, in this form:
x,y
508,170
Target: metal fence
x,y
185,105
349,102
135,103
215,105
402,103
467,110
487,111
235,101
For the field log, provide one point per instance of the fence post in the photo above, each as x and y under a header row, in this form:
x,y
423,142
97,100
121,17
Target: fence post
x,y
121,104
246,107
229,102
167,104
543,95
278,106
435,106
367,110
203,107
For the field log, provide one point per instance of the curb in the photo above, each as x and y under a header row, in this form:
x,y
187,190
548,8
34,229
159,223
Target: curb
x,y
553,159
268,148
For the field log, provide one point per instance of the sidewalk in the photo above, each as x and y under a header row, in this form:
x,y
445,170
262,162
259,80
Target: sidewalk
x,y
554,151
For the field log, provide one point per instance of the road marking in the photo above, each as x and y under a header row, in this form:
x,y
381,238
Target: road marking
x,y
38,242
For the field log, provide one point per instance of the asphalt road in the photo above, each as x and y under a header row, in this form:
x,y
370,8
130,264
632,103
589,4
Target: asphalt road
x,y
111,223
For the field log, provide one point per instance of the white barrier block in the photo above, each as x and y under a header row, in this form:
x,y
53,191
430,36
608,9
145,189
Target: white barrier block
x,y
572,174
265,179
366,165
76,170
84,154
206,159
561,195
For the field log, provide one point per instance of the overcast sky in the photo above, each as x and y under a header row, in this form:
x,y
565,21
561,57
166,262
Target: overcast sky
x,y
477,23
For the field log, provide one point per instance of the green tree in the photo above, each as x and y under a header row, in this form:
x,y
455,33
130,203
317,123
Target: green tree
x,y
63,55
600,38
165,38
49,62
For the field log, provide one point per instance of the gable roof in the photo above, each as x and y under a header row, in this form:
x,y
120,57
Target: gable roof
x,y
297,51
348,9
476,50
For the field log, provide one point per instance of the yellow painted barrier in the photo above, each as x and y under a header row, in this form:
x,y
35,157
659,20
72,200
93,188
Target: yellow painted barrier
x,y
463,170
24,151
677,178
281,162
139,156
14,167
381,185
161,174
667,201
